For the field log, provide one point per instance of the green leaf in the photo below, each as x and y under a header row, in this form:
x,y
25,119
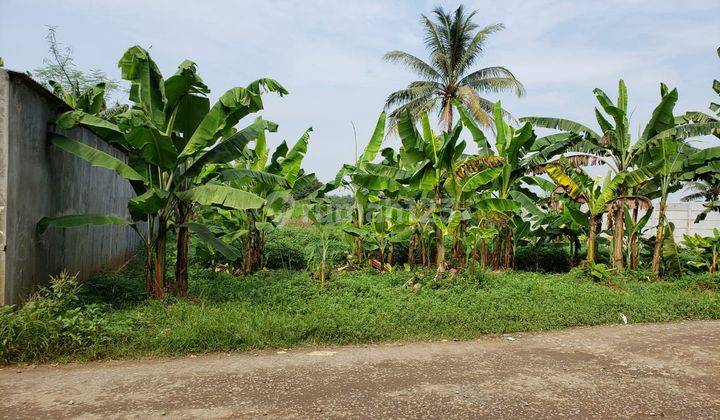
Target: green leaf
x,y
243,175
290,166
75,220
213,194
560,124
207,237
373,147
527,203
454,220
374,182
409,135
353,231
704,156
147,88
261,150
154,146
191,109
576,215
662,117
148,203
103,128
501,129
232,147
425,178
233,105
184,82
481,178
266,85
500,205
96,157
478,136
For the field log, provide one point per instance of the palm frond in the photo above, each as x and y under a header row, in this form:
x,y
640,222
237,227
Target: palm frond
x,y
476,47
481,108
415,90
434,42
413,63
476,105
498,85
693,197
416,107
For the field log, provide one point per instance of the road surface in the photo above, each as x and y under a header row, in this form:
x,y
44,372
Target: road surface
x,y
646,370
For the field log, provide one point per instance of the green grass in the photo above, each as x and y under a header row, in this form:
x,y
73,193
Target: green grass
x,y
286,308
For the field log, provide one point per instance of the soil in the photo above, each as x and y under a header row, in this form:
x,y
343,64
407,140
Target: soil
x,y
639,371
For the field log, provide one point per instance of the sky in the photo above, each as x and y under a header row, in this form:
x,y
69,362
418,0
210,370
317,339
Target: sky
x,y
328,54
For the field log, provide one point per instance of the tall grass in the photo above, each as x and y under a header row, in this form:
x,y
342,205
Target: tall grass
x,y
287,308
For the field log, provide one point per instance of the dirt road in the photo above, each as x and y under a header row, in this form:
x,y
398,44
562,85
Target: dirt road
x,y
651,370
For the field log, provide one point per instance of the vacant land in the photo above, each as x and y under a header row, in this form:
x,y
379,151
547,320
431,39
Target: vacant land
x,y
283,309
649,370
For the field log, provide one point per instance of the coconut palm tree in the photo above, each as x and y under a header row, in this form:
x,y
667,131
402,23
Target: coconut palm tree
x,y
455,43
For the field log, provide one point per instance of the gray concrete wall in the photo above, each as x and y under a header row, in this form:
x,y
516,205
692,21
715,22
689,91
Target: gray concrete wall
x,y
38,179
683,216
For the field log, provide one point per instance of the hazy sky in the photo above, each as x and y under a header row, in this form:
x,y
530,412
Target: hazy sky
x,y
328,54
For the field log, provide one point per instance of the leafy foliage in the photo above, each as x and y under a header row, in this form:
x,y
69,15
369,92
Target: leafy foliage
x,y
455,43
54,322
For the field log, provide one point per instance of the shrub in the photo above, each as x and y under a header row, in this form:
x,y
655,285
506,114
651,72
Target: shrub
x,y
549,259
53,322
289,247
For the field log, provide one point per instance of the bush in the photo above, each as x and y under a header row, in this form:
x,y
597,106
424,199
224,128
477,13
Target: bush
x,y
549,259
288,247
706,282
53,322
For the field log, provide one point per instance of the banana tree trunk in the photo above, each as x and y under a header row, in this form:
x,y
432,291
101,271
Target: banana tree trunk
x,y
357,242
483,254
182,215
159,258
634,258
714,262
618,235
439,240
507,257
411,250
659,237
458,254
252,247
497,253
592,239
149,289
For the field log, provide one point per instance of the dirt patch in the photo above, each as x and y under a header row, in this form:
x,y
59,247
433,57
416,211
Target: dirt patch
x,y
648,370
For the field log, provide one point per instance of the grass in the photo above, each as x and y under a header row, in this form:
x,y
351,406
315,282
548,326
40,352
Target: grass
x,y
281,308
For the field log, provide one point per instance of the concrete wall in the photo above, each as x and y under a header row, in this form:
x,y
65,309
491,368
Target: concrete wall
x,y
683,216
38,179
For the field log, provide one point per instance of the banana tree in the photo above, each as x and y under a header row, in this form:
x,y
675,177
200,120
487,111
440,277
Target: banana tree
x,y
597,195
431,161
614,145
90,100
168,136
366,180
706,250
278,182
505,170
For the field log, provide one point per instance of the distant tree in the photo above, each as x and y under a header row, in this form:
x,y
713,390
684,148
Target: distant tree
x,y
455,44
87,91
